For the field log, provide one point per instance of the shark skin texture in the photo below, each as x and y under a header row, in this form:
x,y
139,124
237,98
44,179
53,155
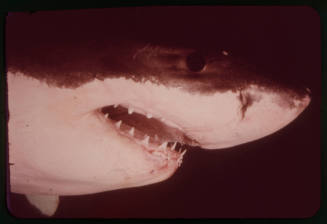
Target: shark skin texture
x,y
131,125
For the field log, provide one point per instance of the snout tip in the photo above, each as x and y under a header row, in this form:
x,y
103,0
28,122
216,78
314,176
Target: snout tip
x,y
305,101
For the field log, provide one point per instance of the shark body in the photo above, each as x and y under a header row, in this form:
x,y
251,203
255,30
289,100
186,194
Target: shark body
x,y
129,123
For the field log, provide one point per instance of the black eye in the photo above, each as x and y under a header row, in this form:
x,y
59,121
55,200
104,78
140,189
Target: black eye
x,y
195,62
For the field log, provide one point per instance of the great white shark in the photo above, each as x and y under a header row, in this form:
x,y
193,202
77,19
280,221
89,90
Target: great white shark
x,y
129,123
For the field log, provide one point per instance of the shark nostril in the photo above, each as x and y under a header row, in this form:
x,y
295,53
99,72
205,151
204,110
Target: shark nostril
x,y
195,62
246,101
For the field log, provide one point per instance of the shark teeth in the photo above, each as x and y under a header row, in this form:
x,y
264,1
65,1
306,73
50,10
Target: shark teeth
x,y
118,123
145,141
163,146
183,153
131,132
130,110
116,109
174,146
180,158
168,157
164,150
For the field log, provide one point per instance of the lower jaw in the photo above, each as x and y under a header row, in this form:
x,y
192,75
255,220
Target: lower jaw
x,y
157,149
163,157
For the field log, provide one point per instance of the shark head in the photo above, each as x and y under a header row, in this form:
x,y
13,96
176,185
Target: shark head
x,y
123,115
132,127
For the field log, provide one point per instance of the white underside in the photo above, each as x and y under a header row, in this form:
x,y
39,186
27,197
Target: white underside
x,y
58,146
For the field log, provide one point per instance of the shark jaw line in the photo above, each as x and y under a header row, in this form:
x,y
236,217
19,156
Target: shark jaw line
x,y
148,132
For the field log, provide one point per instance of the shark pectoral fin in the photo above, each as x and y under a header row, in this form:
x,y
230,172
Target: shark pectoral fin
x,y
47,204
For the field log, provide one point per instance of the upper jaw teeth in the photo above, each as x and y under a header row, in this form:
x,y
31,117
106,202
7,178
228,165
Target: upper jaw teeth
x,y
161,150
174,146
130,110
118,123
131,131
145,141
163,146
148,115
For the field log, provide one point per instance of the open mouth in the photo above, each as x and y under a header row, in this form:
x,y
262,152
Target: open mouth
x,y
157,136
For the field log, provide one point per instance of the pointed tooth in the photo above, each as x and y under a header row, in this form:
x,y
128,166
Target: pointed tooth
x,y
180,158
130,110
174,146
148,115
106,115
118,123
163,145
156,137
179,161
131,132
145,141
183,153
115,105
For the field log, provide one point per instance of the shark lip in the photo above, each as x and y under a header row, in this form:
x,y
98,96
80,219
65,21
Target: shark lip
x,y
157,136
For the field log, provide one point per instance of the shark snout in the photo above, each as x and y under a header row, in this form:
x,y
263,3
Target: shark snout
x,y
260,112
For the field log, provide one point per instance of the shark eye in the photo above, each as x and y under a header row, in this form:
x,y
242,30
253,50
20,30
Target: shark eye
x,y
195,62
